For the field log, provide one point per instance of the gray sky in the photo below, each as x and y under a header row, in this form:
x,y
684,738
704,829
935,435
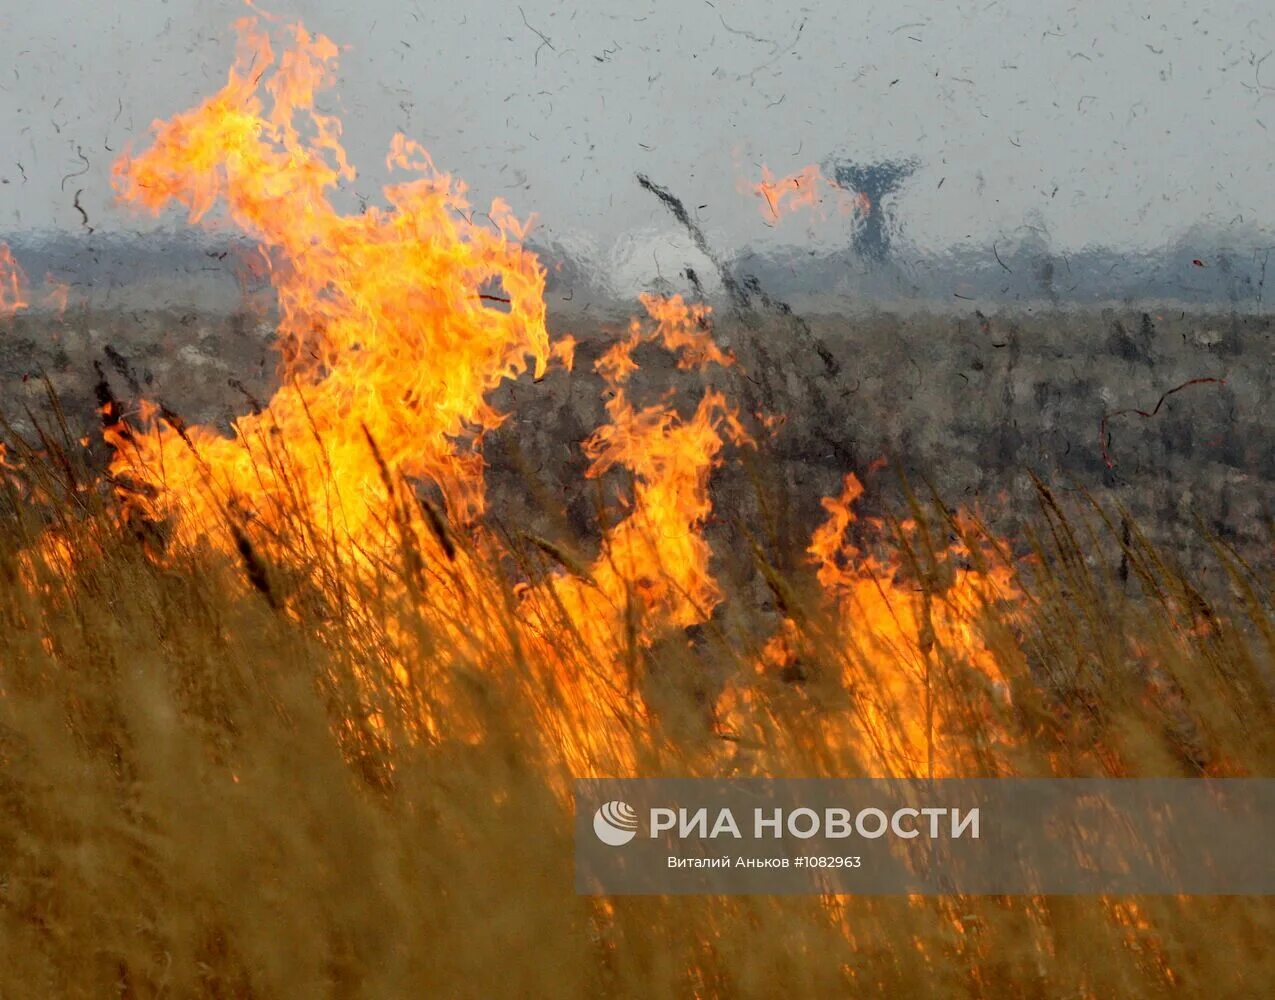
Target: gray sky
x,y
1120,123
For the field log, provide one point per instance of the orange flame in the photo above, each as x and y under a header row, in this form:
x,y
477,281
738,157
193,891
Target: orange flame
x,y
383,329
784,195
657,552
806,190
13,284
905,638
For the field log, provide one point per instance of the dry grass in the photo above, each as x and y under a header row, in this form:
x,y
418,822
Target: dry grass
x,y
202,795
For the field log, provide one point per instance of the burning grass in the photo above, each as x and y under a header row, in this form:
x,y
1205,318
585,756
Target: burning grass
x,y
292,711
221,777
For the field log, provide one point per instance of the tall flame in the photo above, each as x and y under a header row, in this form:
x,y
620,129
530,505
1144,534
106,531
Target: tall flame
x,y
384,331
13,284
657,554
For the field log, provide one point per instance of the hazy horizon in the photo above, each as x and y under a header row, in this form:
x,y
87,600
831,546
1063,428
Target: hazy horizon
x,y
191,268
1068,132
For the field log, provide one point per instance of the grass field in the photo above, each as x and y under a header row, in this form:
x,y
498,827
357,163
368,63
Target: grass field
x,y
217,779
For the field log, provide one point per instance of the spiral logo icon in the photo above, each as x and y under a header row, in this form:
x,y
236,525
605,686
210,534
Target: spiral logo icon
x,y
615,823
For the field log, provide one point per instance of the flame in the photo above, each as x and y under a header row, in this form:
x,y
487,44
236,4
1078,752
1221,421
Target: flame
x,y
656,554
395,325
651,575
15,289
383,329
13,284
896,642
785,195
806,190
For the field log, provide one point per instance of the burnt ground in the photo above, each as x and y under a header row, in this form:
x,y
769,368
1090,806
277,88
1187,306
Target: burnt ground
x,y
972,404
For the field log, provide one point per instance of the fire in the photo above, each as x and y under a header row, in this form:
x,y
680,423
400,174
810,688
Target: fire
x,y
391,338
13,284
394,326
363,473
15,289
806,190
656,554
784,195
651,576
384,331
905,646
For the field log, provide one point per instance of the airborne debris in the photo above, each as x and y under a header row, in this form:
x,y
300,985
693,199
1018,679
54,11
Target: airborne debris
x,y
1104,438
84,216
544,39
